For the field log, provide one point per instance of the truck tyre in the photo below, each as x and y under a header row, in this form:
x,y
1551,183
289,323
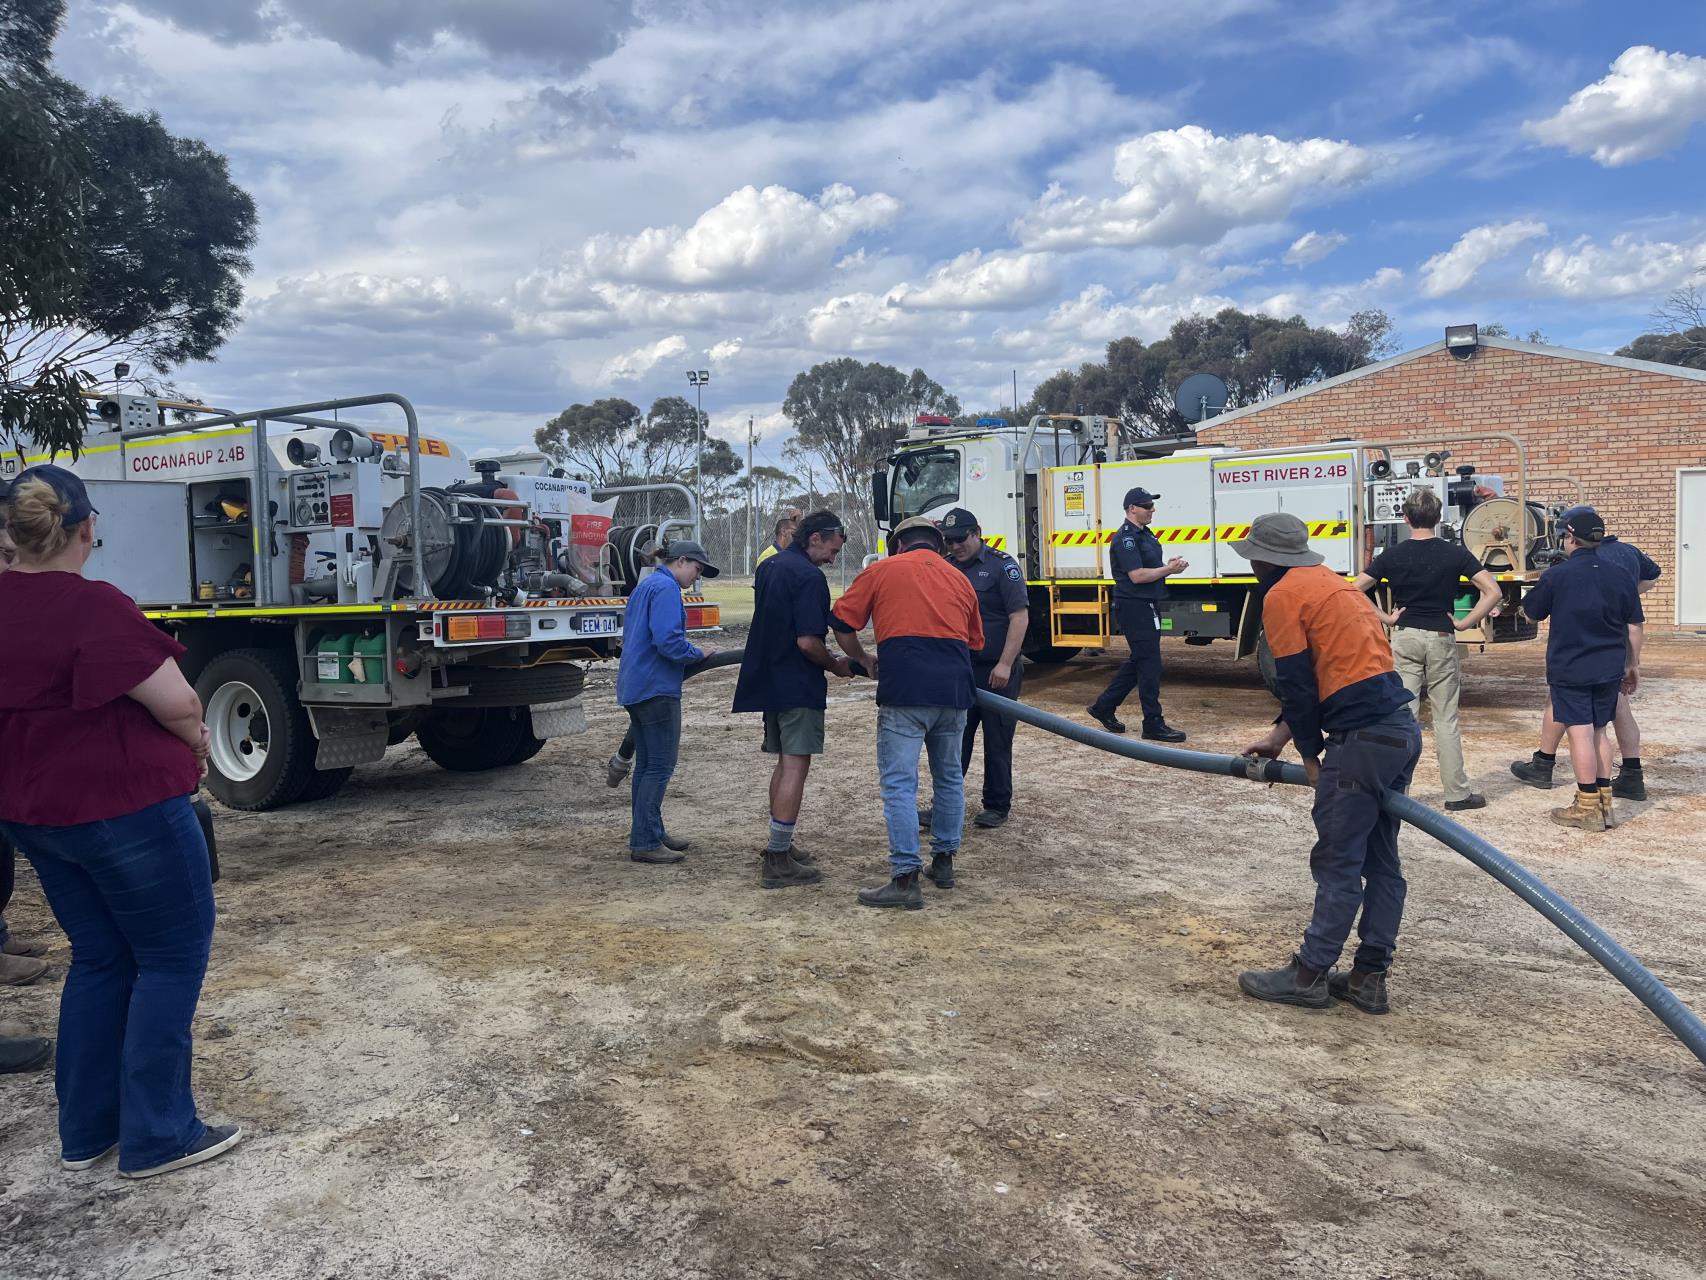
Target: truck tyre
x,y
506,687
262,746
324,784
474,739
529,747
1265,664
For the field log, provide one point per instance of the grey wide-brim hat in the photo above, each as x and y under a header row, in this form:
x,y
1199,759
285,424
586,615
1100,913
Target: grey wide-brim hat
x,y
687,549
1278,538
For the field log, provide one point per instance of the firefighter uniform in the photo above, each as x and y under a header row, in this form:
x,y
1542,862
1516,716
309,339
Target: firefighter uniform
x,y
999,584
1135,547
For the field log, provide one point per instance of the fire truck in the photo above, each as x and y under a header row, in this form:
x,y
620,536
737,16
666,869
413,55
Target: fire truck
x,y
341,588
1050,493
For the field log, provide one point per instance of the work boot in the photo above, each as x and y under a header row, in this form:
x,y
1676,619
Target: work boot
x,y
902,891
1365,988
24,1053
678,844
1605,809
800,856
990,818
1161,731
1536,772
1107,719
781,871
1474,800
20,971
941,871
658,857
1291,985
1583,812
16,946
924,819
1629,784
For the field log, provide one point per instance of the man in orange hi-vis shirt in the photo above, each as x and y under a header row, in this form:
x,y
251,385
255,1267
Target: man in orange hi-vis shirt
x,y
927,623
1337,685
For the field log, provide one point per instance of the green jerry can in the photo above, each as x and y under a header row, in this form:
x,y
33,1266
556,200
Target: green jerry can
x,y
367,666
332,658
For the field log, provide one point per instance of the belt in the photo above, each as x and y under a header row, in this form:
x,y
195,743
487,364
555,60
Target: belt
x,y
1432,631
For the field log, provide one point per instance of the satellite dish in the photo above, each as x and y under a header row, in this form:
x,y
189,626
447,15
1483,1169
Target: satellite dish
x,y
1202,395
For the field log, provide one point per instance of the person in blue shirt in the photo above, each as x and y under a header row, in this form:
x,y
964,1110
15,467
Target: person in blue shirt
x,y
1631,780
655,656
1593,653
1140,572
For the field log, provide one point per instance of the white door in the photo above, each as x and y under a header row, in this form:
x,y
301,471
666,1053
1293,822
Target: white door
x,y
1691,548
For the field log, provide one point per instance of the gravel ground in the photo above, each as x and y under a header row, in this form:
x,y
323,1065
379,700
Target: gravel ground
x,y
468,1038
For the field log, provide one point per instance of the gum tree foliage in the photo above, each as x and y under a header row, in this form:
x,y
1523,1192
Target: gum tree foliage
x,y
1257,356
849,415
118,240
612,443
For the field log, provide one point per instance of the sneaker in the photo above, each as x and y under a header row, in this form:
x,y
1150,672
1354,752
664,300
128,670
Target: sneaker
x,y
20,971
16,946
659,857
1536,772
1365,988
216,1140
1472,801
1107,719
783,871
902,892
1286,986
679,844
990,818
1163,732
1629,784
77,1166
24,1053
941,872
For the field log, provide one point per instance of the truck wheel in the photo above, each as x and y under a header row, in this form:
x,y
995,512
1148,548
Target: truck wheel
x,y
530,747
474,739
262,746
1265,664
1052,655
506,687
324,784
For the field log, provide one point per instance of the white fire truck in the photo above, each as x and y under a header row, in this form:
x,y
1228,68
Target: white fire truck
x,y
1051,493
340,588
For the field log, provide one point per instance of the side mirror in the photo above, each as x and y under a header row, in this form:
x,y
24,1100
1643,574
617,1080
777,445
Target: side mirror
x,y
880,495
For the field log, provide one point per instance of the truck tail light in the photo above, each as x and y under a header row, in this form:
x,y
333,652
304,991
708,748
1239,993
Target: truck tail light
x,y
490,626
703,615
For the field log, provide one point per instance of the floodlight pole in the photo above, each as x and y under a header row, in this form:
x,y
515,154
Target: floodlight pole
x,y
697,378
751,534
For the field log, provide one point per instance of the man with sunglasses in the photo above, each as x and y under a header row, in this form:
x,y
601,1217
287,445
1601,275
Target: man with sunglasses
x,y
1140,580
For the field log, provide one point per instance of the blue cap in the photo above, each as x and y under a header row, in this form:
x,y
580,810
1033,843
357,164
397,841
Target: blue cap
x,y
1140,498
69,487
958,524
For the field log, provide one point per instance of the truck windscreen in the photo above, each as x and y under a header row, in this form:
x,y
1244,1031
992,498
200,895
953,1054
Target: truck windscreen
x,y
926,480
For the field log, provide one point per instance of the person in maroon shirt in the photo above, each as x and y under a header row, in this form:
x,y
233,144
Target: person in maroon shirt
x,y
101,748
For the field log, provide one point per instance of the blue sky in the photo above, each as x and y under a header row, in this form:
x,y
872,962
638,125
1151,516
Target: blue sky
x,y
500,207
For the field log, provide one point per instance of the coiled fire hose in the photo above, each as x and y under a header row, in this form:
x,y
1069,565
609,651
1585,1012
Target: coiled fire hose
x,y
1664,1003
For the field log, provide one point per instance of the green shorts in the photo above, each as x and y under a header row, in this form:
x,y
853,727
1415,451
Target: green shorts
x,y
795,732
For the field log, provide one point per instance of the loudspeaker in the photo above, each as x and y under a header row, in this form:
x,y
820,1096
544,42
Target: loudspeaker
x,y
346,445
301,452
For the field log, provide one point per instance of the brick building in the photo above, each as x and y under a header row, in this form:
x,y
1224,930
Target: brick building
x,y
1632,432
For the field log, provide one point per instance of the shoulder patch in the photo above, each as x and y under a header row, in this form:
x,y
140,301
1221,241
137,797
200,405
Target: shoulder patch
x,y
1130,544
1013,570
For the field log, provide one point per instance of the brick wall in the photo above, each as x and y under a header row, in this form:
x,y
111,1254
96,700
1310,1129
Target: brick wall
x,y
1621,432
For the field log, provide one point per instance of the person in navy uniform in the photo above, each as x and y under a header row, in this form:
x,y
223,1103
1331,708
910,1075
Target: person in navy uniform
x,y
1140,580
999,584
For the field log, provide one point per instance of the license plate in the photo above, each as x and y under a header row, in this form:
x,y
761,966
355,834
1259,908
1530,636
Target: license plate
x,y
597,624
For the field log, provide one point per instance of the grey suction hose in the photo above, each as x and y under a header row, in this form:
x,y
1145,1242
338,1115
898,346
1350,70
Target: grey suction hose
x,y
1682,1022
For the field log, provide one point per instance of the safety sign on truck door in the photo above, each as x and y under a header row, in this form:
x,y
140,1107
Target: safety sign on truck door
x,y
1074,494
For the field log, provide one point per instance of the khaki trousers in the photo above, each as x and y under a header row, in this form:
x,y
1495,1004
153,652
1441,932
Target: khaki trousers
x,y
1427,661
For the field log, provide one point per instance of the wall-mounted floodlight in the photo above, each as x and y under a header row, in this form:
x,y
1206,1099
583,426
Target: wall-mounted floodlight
x,y
1462,339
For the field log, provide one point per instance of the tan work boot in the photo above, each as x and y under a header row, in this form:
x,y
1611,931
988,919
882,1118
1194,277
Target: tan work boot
x,y
1605,808
1583,812
18,971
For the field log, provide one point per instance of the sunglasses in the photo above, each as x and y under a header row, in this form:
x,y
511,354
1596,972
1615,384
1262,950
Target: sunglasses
x,y
1147,506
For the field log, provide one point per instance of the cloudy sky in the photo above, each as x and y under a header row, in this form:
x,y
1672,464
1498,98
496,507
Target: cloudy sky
x,y
500,207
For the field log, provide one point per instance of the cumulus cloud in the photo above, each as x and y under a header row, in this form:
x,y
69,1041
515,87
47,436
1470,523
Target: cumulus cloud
x,y
1627,266
633,365
1643,108
382,304
769,237
569,36
975,281
1086,323
1312,246
1453,269
723,353
873,322
1190,186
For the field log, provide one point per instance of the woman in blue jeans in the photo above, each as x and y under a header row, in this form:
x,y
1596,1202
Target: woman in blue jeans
x,y
104,748
655,656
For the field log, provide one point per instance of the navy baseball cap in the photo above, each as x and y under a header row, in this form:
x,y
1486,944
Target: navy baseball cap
x,y
958,524
1140,498
69,487
1585,523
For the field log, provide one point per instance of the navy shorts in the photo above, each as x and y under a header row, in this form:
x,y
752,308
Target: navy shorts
x,y
1593,704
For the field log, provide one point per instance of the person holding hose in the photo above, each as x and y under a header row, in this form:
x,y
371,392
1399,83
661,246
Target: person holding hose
x,y
1337,691
655,656
105,747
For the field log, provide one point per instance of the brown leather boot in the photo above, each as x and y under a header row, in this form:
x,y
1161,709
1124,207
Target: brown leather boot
x,y
18,971
1582,812
1605,809
782,872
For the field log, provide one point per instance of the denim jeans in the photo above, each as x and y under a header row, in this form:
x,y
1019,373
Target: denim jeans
x,y
134,896
1355,859
657,742
901,731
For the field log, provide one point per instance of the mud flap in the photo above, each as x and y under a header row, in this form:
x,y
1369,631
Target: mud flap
x,y
558,719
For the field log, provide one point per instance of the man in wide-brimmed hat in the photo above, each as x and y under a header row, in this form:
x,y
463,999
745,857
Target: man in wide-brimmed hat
x,y
1337,689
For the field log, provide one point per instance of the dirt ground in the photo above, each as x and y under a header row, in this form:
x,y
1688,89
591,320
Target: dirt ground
x,y
468,1038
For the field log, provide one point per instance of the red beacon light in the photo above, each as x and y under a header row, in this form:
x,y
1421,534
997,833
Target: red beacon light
x,y
934,420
